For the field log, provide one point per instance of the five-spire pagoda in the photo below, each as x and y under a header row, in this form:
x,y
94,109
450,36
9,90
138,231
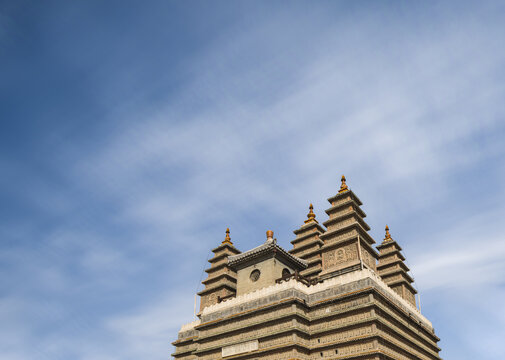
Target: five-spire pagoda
x,y
334,296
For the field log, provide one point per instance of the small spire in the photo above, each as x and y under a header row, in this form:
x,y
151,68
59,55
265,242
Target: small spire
x,y
310,216
343,187
227,239
388,235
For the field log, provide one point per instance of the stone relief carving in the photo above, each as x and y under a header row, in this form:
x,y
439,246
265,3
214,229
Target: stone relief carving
x,y
351,252
240,348
340,256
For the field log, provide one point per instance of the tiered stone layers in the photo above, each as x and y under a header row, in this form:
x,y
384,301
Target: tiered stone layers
x,y
352,307
307,245
347,245
357,320
221,281
393,271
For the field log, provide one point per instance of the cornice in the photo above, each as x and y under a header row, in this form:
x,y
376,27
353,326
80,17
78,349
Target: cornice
x,y
353,203
357,226
344,194
306,246
345,216
231,287
307,227
219,277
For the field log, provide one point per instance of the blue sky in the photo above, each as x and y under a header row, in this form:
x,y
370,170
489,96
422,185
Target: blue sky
x,y
132,134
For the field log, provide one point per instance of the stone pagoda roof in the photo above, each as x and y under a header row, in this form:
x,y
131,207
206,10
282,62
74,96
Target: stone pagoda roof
x,y
269,247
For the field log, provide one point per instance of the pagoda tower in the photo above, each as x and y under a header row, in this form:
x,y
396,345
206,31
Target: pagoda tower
x,y
307,244
221,281
392,269
347,244
256,306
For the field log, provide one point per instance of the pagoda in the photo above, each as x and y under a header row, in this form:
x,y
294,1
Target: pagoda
x,y
327,298
392,269
221,282
347,244
307,244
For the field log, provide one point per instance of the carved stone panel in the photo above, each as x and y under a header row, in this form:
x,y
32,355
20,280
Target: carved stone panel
x,y
339,256
240,348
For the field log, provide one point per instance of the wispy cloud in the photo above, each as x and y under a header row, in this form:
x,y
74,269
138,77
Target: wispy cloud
x,y
269,115
149,331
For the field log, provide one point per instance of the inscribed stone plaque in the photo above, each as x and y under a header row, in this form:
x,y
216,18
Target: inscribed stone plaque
x,y
239,348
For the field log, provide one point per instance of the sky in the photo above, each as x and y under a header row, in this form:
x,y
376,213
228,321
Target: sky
x,y
132,134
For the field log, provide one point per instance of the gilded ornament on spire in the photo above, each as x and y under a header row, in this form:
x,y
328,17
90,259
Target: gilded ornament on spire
x,y
343,187
388,235
311,216
227,239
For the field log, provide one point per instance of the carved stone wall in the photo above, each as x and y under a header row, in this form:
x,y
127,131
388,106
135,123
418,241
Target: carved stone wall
x,y
344,236
341,321
340,224
410,297
345,350
342,211
368,258
341,200
339,256
338,323
241,323
276,341
340,306
250,333
342,335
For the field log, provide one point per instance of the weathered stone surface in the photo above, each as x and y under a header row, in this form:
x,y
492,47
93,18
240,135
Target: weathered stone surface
x,y
240,348
344,305
349,316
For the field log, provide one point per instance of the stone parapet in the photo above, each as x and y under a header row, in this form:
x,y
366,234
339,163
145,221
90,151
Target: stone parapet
x,y
318,292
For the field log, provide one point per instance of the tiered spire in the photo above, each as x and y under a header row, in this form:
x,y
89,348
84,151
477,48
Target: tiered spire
x,y
221,281
347,245
307,244
227,239
311,216
392,269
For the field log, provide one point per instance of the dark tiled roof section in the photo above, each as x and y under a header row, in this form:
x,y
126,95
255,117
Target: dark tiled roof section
x,y
267,247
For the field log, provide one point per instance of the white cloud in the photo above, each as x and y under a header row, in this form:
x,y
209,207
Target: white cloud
x,y
251,140
148,332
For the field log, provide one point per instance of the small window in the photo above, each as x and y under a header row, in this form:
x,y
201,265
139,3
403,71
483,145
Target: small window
x,y
255,275
336,351
285,272
321,354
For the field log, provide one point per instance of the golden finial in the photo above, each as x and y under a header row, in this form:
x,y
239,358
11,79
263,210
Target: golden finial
x,y
311,216
343,187
388,235
227,239
270,235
